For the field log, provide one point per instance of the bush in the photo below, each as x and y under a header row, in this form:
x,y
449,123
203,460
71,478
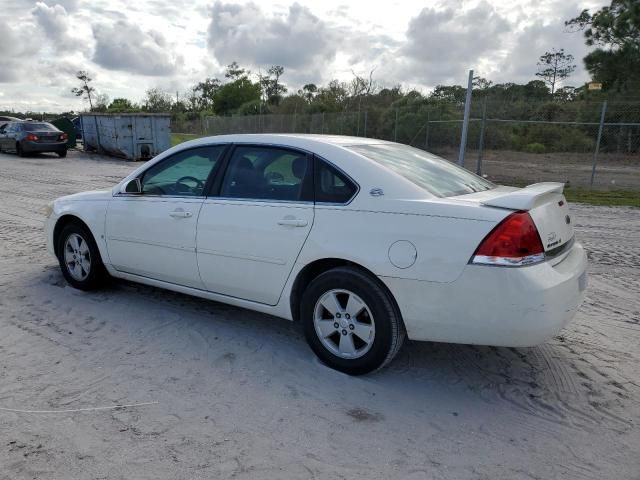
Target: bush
x,y
534,148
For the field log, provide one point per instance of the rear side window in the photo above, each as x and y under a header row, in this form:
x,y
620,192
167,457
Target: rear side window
x,y
430,172
332,186
38,127
267,173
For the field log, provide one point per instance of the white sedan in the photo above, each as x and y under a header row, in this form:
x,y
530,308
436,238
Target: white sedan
x,y
365,242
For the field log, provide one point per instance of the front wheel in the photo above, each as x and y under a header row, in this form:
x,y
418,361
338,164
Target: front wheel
x,y
79,258
351,322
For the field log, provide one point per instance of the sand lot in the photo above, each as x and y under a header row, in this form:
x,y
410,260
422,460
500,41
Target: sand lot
x,y
235,394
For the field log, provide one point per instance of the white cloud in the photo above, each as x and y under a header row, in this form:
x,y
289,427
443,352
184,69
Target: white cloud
x,y
124,46
132,46
245,33
54,22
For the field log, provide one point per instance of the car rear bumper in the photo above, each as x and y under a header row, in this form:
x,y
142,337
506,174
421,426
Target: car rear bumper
x,y
33,147
501,306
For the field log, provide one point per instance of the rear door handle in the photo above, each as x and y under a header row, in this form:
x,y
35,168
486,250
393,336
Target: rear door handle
x,y
180,214
293,222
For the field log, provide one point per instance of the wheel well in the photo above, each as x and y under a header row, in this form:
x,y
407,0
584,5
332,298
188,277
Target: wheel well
x,y
317,268
62,222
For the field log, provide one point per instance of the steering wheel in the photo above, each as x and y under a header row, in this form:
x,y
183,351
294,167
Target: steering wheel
x,y
180,182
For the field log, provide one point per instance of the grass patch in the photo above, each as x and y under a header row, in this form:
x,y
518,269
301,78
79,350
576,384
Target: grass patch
x,y
607,198
610,198
177,138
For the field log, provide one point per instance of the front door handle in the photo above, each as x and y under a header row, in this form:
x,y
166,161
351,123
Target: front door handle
x,y
179,213
292,222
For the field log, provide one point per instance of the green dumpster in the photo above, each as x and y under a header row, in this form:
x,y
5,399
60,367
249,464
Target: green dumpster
x,y
67,127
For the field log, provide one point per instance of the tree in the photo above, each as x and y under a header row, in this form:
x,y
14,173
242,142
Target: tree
x,y
615,31
102,101
274,88
157,100
308,91
122,105
206,91
85,90
481,83
234,71
555,66
232,95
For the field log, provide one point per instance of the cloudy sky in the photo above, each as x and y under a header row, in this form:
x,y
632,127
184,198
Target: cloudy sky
x,y
130,46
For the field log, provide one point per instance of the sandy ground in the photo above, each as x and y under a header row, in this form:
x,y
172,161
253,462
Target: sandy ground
x,y
240,395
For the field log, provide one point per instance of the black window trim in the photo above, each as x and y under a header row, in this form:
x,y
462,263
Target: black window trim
x,y
207,184
213,193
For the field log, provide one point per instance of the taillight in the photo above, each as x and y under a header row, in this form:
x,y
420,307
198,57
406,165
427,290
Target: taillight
x,y
31,137
64,136
514,242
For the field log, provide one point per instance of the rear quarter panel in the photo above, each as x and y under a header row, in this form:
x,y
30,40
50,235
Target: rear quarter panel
x,y
443,244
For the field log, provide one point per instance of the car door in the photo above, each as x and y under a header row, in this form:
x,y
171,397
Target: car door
x,y
153,233
3,134
253,226
6,141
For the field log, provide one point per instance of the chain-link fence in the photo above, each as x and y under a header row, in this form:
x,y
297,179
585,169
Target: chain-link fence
x,y
580,143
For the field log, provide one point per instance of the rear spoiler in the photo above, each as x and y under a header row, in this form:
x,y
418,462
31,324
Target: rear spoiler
x,y
525,198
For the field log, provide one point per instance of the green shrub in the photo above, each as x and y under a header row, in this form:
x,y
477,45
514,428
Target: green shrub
x,y
534,148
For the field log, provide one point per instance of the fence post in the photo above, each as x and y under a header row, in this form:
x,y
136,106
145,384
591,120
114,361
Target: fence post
x,y
465,121
426,135
395,131
481,141
597,150
365,123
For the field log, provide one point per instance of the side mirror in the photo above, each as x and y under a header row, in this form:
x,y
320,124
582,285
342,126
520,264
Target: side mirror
x,y
133,187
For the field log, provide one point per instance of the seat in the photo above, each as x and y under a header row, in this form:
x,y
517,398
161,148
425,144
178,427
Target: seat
x,y
243,180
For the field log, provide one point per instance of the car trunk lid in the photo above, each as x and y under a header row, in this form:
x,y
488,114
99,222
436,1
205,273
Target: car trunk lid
x,y
47,136
546,205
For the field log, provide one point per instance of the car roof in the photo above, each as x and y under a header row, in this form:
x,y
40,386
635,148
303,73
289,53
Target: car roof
x,y
292,139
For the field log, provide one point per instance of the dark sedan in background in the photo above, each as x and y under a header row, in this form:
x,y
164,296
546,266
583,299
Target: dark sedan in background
x,y
32,137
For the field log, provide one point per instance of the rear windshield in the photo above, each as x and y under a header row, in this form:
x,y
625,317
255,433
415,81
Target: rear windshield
x,y
38,127
430,172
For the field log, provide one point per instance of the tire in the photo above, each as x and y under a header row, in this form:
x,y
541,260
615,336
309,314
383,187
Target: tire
x,y
79,258
19,151
62,153
376,311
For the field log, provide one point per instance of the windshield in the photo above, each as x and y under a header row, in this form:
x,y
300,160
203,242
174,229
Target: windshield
x,y
430,172
38,127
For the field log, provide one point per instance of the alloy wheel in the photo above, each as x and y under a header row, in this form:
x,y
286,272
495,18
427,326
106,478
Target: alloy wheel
x,y
77,257
344,324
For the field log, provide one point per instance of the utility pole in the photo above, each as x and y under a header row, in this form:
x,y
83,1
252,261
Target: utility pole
x,y
465,121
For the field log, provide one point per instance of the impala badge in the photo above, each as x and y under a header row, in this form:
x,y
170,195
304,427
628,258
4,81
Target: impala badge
x,y
553,240
376,192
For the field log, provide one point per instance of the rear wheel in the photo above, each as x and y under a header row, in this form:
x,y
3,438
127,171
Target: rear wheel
x,y
79,258
62,153
20,151
351,322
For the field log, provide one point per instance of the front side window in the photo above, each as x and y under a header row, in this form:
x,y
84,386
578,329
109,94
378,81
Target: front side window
x,y
331,186
430,172
266,173
182,174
